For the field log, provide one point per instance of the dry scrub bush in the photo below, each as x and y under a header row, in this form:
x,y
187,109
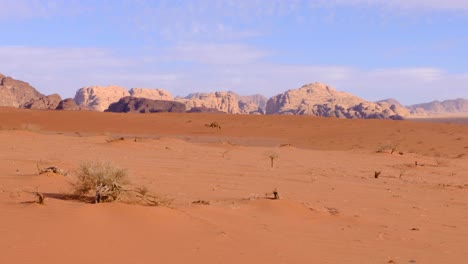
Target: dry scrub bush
x,y
104,179
110,183
390,147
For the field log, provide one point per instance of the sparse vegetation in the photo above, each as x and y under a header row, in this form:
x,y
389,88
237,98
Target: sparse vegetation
x,y
274,195
214,125
110,183
388,148
104,179
116,139
273,156
40,198
377,174
202,202
51,169
144,196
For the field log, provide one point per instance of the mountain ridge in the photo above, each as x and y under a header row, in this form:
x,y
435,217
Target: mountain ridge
x,y
310,99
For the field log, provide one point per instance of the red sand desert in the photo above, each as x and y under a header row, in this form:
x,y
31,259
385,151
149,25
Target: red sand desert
x,y
332,208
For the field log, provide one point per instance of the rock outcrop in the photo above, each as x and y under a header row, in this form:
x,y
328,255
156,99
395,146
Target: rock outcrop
x,y
322,100
395,106
43,103
227,102
142,105
15,93
99,97
440,108
154,94
68,104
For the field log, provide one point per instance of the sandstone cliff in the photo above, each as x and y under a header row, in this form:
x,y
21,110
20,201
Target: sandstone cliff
x,y
15,93
322,100
227,102
154,94
99,97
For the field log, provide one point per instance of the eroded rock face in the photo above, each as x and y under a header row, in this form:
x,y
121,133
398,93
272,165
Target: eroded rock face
x,y
322,100
15,93
99,97
143,105
43,103
227,102
154,94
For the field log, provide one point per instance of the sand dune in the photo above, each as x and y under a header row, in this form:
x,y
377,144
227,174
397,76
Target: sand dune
x,y
332,209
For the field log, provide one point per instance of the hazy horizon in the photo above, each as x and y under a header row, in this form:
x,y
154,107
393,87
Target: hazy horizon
x,y
413,51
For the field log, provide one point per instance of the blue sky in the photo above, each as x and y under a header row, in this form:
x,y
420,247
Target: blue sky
x,y
413,50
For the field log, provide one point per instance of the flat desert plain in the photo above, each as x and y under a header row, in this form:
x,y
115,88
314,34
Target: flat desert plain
x,y
331,209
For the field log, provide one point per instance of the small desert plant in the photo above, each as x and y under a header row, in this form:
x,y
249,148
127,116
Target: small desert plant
x,y
104,179
202,202
377,174
51,169
274,195
144,196
214,125
40,197
388,147
110,140
272,157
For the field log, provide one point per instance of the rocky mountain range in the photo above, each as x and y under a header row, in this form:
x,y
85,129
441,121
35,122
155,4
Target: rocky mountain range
x,y
436,107
311,99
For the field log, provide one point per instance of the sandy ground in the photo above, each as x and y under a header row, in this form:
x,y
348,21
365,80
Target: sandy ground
x,y
332,208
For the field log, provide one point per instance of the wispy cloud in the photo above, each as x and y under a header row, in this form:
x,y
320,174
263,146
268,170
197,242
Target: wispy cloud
x,y
213,53
64,70
407,4
32,9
